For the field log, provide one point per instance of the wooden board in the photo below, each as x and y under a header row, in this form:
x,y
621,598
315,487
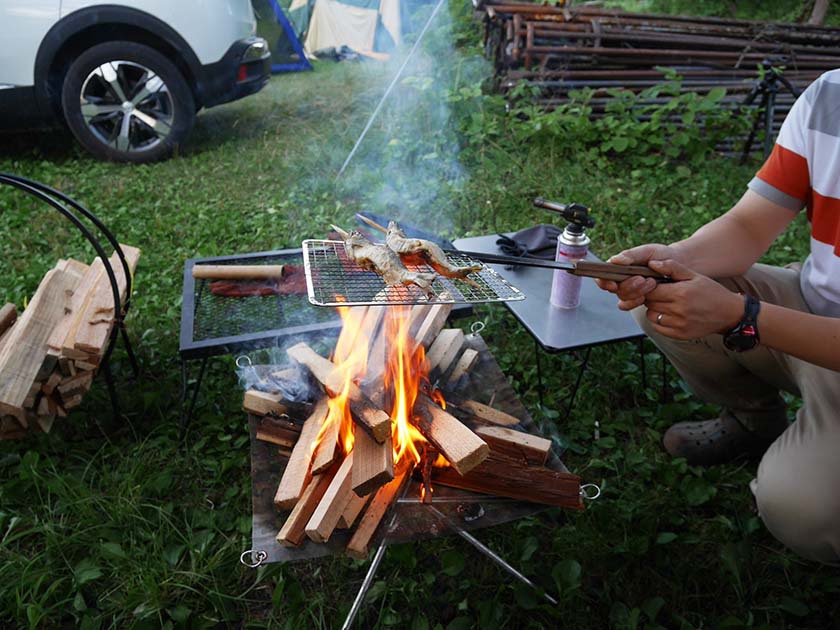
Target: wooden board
x,y
531,449
63,337
294,529
8,315
359,545
325,518
444,349
98,318
432,324
504,476
373,465
297,469
458,444
465,363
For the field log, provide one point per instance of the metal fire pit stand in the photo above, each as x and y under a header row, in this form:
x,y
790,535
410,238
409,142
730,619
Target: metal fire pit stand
x,y
453,510
68,208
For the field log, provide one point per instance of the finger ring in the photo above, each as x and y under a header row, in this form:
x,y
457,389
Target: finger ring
x,y
659,318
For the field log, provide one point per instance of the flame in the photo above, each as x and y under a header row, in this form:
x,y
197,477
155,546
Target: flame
x,y
406,371
406,375
350,357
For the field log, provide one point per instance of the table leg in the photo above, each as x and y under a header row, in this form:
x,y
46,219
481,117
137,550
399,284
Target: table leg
x,y
188,409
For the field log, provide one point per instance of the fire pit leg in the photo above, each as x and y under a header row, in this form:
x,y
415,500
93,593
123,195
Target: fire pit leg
x,y
489,553
374,566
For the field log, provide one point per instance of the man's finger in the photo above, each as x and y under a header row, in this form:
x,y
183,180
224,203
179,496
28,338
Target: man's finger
x,y
672,269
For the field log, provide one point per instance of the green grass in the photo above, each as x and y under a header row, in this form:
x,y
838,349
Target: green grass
x,y
112,523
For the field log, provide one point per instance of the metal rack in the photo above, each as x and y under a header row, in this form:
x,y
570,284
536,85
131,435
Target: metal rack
x,y
71,209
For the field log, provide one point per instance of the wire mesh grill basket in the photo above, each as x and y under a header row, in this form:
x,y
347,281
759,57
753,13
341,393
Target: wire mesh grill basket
x,y
332,279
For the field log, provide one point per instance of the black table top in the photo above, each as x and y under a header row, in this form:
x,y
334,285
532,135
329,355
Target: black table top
x,y
597,320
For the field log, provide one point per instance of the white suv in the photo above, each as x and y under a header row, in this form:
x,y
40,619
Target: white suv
x,y
128,76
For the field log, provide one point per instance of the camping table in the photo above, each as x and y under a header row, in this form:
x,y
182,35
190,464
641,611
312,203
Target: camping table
x,y
596,321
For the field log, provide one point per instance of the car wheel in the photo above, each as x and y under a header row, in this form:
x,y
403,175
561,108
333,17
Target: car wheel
x,y
127,102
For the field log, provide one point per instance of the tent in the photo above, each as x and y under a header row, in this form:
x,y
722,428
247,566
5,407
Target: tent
x,y
368,27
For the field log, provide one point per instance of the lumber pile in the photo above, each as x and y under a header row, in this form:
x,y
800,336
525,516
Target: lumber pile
x,y
327,486
50,353
559,51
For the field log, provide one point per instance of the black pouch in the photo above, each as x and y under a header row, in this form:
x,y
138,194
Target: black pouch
x,y
539,241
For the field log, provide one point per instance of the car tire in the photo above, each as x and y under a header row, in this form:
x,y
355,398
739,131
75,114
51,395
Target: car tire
x,y
127,102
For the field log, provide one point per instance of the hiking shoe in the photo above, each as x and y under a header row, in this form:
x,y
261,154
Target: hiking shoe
x,y
716,441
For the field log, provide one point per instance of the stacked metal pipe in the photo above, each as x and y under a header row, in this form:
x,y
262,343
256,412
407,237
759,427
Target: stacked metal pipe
x,y
560,49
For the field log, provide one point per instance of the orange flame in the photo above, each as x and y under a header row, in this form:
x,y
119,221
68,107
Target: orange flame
x,y
406,370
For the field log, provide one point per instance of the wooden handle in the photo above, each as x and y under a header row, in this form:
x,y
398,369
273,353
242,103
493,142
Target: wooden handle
x,y
610,271
237,272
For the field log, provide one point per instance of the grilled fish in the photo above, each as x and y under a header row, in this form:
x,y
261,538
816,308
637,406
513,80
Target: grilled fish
x,y
421,251
383,261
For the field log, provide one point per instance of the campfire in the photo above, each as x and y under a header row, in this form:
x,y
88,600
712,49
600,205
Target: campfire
x,y
388,410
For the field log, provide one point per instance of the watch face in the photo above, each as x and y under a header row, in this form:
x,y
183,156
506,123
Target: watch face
x,y
742,338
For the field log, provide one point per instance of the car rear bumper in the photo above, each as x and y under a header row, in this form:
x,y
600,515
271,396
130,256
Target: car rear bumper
x,y
243,70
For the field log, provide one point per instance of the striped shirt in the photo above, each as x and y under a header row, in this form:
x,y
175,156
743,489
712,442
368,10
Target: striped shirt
x,y
804,171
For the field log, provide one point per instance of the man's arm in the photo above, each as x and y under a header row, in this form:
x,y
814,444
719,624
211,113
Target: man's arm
x,y
732,243
695,306
727,246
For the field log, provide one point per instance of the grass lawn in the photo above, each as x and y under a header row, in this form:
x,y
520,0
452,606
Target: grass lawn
x,y
114,523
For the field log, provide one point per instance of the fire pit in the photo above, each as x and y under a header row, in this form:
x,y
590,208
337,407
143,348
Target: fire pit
x,y
441,453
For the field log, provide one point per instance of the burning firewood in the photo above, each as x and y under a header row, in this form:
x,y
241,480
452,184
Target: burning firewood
x,y
505,476
374,465
366,415
331,506
517,444
294,529
359,545
294,479
459,445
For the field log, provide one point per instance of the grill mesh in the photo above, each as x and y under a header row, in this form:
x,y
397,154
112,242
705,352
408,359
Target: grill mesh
x,y
332,279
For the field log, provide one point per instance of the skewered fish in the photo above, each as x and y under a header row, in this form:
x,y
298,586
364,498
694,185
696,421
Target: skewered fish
x,y
383,261
421,251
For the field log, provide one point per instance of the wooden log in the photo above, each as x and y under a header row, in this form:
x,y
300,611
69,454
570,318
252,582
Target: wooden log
x,y
23,354
281,428
325,517
297,468
364,412
484,413
65,365
351,512
262,403
99,318
328,451
72,402
459,445
276,438
373,464
466,363
294,529
78,384
8,315
44,423
432,325
444,349
532,449
237,272
359,545
503,476
63,336
419,312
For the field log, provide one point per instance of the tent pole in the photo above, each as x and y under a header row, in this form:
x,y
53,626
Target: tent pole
x,y
390,87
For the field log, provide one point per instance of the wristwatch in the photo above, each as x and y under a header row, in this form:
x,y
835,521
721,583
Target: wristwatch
x,y
745,335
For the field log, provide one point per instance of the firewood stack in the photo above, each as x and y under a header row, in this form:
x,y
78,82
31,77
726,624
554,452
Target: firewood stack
x,y
50,354
324,489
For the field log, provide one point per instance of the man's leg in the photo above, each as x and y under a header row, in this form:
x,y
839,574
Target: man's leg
x,y
798,482
746,385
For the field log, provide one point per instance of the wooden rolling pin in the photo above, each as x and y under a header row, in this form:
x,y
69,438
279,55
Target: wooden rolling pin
x,y
237,272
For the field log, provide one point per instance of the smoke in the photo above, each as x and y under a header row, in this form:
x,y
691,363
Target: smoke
x,y
407,167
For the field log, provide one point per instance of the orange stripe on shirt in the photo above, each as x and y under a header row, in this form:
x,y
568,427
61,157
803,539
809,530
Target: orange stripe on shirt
x,y
787,171
825,220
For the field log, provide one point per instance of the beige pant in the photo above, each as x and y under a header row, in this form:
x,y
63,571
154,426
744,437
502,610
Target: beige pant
x,y
797,486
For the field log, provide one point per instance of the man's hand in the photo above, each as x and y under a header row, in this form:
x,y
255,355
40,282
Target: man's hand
x,y
631,292
692,306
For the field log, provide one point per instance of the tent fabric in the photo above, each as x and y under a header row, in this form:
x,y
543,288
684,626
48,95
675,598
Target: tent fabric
x,y
365,26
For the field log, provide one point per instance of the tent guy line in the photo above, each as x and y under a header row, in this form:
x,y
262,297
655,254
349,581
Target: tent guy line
x,y
390,87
